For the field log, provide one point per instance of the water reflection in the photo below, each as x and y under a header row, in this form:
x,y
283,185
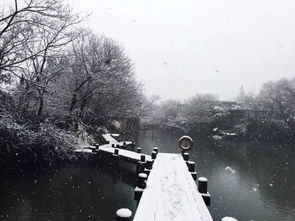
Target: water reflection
x,y
73,192
249,181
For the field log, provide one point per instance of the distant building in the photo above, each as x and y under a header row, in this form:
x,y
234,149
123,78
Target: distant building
x,y
238,112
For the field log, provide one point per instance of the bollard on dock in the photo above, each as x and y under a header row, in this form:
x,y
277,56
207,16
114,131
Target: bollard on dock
x,y
140,166
191,169
142,158
149,167
149,164
141,185
116,156
185,156
154,155
191,166
202,185
138,149
156,149
203,189
228,219
123,214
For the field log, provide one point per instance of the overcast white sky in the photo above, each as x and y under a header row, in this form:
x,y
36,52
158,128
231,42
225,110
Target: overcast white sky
x,y
181,47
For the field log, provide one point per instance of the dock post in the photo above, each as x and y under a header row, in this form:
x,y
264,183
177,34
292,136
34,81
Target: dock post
x,y
113,145
191,166
133,145
116,156
149,167
141,185
228,219
156,149
96,146
139,167
123,214
185,156
202,185
124,145
149,164
154,155
142,158
191,169
203,189
140,164
138,149
118,145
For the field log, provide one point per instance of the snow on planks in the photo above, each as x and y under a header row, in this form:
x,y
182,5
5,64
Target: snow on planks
x,y
110,138
171,193
124,153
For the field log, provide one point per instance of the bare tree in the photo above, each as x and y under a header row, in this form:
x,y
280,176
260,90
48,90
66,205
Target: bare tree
x,y
31,29
100,82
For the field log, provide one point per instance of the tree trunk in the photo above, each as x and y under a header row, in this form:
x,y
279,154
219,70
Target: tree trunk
x,y
41,102
73,103
41,105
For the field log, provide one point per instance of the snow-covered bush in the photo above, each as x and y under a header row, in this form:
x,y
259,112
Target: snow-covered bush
x,y
47,143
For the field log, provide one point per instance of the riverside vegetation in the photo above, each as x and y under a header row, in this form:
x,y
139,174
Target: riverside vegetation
x,y
62,85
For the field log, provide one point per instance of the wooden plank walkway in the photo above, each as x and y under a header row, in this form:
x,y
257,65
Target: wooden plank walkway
x,y
124,154
110,138
171,193
107,148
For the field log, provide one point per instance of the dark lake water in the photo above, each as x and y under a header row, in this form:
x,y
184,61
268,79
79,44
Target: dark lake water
x,y
248,181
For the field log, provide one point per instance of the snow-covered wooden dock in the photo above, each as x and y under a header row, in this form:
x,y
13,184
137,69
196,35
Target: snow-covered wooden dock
x,y
123,154
115,147
171,193
166,189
